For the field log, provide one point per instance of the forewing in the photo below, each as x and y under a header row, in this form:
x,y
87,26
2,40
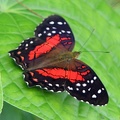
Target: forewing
x,y
21,55
49,37
56,25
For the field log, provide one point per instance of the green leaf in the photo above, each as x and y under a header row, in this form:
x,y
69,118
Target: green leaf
x,y
10,112
17,24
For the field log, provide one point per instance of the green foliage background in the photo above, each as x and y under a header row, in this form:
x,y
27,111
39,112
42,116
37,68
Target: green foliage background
x,y
17,24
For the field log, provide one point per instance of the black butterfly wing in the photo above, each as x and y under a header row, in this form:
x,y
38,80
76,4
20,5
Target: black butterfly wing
x,y
88,87
51,34
53,25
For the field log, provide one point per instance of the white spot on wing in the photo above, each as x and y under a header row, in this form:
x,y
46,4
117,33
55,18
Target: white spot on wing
x,y
26,45
58,91
45,88
99,91
57,85
38,86
59,23
9,54
89,89
53,31
78,84
64,23
51,22
27,83
77,89
94,96
75,97
23,40
70,88
88,81
21,67
103,89
62,31
54,27
81,100
68,32
87,102
95,78
91,81
49,34
39,34
31,42
50,84
44,32
24,76
52,90
84,84
14,59
83,91
47,28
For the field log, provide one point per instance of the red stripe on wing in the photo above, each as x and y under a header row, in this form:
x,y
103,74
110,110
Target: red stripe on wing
x,y
46,47
56,73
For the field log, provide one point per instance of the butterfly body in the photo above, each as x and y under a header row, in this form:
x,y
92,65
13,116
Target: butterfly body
x,y
48,61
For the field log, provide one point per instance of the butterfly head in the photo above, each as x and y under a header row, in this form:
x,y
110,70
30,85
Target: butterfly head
x,y
76,54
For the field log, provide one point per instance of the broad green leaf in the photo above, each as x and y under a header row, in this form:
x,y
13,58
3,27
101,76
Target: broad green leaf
x,y
12,113
17,24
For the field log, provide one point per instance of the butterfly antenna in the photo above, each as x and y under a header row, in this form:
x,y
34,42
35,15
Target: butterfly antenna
x,y
98,51
19,2
87,39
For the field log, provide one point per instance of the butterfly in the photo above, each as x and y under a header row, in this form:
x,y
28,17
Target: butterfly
x,y
48,61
